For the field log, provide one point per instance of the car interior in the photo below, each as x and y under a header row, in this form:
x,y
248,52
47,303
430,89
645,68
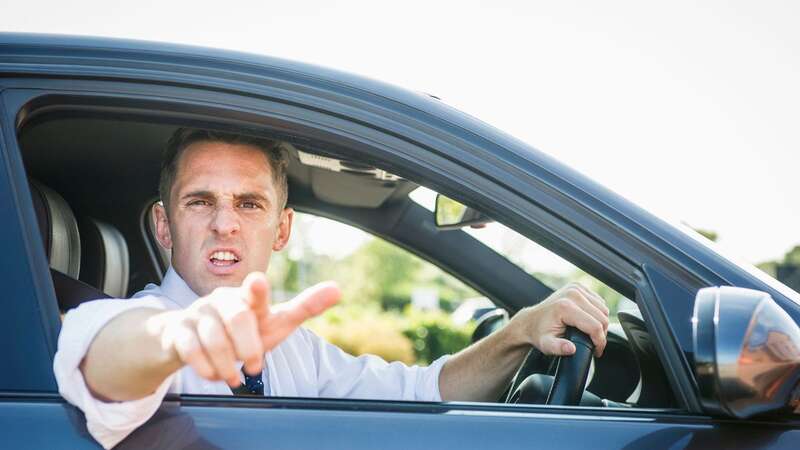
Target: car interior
x,y
93,180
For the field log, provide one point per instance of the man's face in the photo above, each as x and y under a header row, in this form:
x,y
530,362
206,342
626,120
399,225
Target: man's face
x,y
224,220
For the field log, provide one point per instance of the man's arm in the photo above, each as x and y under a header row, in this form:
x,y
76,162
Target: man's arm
x,y
126,360
482,371
137,350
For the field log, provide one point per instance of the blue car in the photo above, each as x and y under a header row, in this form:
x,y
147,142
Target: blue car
x,y
704,353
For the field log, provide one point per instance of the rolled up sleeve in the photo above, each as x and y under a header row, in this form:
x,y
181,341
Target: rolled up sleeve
x,y
107,422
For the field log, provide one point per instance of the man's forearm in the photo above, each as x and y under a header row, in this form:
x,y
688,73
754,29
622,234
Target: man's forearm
x,y
482,371
126,361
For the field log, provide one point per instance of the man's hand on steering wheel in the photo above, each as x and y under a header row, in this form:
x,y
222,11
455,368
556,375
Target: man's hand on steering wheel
x,y
544,324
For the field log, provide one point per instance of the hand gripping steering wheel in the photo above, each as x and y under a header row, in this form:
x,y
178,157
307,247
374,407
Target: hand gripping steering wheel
x,y
571,371
570,375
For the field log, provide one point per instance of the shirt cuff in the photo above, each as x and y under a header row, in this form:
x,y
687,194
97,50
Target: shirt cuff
x,y
111,422
107,422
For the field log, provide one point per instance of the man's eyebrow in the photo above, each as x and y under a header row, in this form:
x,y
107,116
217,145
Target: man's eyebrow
x,y
252,196
198,194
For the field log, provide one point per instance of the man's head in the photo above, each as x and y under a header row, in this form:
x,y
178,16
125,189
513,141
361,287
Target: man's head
x,y
223,212
185,137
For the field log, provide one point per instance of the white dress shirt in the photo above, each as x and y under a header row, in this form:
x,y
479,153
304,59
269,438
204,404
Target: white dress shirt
x,y
303,365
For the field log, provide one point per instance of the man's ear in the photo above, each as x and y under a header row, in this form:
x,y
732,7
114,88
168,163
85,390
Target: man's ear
x,y
284,229
162,226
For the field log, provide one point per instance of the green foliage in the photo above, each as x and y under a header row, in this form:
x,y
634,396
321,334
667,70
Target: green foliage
x,y
410,336
380,272
710,235
375,314
360,330
770,268
434,334
792,256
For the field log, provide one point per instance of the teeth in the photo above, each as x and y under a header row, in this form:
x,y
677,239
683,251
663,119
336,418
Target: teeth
x,y
223,256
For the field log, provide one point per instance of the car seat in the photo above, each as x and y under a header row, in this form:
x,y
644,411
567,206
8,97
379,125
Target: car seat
x,y
104,257
104,254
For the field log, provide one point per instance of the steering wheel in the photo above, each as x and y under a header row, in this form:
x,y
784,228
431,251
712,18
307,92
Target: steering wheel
x,y
570,375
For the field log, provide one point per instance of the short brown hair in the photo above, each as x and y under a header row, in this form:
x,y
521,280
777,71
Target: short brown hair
x,y
184,137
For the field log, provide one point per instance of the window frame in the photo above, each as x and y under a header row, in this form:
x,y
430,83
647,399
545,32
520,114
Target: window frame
x,y
448,173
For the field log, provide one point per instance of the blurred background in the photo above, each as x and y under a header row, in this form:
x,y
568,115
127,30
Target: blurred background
x,y
689,109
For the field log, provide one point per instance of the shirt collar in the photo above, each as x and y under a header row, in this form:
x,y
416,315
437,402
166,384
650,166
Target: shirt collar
x,y
175,289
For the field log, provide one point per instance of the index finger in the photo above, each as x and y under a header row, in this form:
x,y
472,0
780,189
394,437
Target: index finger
x,y
584,321
311,302
255,289
286,317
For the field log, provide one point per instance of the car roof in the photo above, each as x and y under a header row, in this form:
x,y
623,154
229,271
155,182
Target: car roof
x,y
33,53
29,52
41,54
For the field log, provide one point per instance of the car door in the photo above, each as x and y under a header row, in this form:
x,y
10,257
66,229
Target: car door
x,y
458,160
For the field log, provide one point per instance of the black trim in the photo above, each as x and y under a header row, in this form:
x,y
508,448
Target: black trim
x,y
679,374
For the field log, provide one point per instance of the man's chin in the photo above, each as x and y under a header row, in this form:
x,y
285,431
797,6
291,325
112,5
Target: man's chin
x,y
208,285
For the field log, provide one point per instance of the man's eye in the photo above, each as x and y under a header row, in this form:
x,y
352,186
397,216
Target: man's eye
x,y
198,203
249,205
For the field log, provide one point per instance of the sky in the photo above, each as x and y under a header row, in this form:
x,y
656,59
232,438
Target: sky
x,y
689,109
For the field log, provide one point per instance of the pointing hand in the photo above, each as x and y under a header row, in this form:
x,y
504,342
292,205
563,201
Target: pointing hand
x,y
239,324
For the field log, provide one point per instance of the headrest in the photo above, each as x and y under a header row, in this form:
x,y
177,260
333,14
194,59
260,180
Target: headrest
x,y
105,262
58,228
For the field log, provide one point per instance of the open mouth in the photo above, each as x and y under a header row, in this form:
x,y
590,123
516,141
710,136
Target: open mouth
x,y
223,258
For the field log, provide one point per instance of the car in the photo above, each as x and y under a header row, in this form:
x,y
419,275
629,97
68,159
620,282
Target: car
x,y
706,356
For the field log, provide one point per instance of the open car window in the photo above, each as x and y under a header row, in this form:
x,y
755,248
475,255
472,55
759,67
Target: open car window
x,y
403,308
396,304
539,262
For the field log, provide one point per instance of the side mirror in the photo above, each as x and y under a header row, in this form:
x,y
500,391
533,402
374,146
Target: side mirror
x,y
451,214
747,352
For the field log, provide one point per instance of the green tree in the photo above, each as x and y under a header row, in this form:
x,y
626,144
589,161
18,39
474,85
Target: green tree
x,y
792,256
383,273
379,272
710,235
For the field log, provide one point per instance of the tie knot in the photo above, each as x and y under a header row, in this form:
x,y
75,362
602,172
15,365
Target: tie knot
x,y
253,385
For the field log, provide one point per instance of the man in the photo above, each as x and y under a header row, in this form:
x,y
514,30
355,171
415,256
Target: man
x,y
223,214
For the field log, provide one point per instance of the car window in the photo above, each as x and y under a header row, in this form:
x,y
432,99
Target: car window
x,y
395,304
403,308
548,267
629,373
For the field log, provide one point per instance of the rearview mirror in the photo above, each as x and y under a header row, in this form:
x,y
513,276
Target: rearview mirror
x,y
747,352
451,214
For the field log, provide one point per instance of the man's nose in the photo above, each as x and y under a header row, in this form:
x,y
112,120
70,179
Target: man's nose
x,y
225,220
